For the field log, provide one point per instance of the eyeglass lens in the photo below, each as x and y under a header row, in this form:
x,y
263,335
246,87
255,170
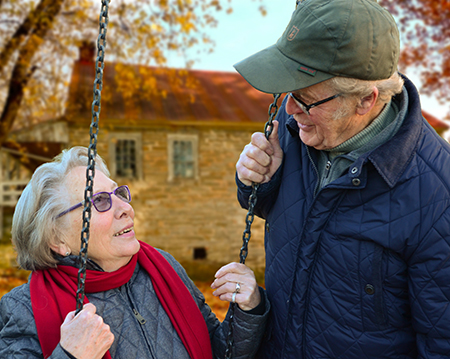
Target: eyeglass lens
x,y
102,200
299,103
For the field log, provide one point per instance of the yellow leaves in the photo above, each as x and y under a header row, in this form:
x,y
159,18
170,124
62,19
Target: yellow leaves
x,y
186,22
139,31
158,56
126,80
262,10
156,27
151,42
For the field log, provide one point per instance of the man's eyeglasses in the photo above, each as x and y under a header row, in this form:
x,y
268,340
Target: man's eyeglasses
x,y
305,108
102,200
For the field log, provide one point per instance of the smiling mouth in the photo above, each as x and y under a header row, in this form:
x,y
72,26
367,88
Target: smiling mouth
x,y
124,231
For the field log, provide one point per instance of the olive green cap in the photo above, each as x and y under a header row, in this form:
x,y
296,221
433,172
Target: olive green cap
x,y
325,39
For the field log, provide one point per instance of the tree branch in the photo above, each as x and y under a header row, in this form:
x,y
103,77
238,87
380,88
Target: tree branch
x,y
22,32
22,70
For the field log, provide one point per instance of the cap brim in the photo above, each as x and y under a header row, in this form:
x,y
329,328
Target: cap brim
x,y
272,72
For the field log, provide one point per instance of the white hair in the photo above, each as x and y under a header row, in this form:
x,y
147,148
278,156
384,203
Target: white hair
x,y
34,225
352,91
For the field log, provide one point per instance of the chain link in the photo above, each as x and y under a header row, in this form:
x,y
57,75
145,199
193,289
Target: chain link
x,y
92,153
268,128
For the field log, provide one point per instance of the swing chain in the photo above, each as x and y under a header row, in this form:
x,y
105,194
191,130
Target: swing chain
x,y
268,128
92,153
273,109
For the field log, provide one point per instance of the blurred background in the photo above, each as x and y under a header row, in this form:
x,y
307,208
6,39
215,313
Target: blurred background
x,y
175,115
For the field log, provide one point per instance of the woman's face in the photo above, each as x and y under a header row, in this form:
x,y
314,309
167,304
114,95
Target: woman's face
x,y
320,130
112,241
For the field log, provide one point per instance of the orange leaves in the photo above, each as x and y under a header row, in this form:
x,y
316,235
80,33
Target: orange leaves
x,y
425,34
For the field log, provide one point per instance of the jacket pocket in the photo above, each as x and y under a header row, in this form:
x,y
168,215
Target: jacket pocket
x,y
373,304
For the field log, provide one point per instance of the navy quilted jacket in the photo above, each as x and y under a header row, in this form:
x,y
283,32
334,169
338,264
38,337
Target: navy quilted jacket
x,y
361,270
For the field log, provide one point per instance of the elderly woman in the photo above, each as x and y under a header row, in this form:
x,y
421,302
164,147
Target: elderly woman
x,y
141,303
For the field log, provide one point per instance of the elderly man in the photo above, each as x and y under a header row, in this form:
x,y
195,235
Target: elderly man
x,y
354,190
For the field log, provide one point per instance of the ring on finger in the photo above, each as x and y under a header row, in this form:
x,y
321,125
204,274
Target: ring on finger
x,y
233,297
238,287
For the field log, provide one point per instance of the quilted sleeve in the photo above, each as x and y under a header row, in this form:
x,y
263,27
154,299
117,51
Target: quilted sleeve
x,y
266,194
18,334
248,328
248,332
429,286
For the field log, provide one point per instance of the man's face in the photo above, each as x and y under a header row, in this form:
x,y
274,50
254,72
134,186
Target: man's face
x,y
320,129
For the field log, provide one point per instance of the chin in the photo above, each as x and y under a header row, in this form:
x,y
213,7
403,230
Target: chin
x,y
128,246
135,246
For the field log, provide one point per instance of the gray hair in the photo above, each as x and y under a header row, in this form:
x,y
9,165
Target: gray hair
x,y
353,90
34,225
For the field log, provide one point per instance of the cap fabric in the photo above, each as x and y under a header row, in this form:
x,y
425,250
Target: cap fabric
x,y
324,39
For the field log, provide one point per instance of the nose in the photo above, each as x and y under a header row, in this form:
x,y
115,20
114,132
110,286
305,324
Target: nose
x,y
121,208
291,106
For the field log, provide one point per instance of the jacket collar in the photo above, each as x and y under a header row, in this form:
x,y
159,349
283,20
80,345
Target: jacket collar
x,y
391,158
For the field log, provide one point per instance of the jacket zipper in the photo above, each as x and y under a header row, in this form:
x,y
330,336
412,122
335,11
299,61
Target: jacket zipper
x,y
315,169
139,317
327,169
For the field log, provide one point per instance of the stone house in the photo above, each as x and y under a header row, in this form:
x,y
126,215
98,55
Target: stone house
x,y
176,147
174,144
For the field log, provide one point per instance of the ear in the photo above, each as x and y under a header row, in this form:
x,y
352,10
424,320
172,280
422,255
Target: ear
x,y
368,102
59,247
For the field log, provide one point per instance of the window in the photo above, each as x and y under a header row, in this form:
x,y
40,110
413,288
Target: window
x,y
182,156
126,158
200,253
125,155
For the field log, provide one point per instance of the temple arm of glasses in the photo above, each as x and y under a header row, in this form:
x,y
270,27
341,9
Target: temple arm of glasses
x,y
70,209
323,101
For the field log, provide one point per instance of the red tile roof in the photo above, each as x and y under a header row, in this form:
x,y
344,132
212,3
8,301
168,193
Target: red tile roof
x,y
156,96
216,97
438,125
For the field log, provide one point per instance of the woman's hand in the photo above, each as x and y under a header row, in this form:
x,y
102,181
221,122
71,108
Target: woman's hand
x,y
86,336
247,292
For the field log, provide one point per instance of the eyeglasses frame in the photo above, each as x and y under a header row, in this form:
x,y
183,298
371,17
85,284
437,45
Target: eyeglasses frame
x,y
92,201
305,108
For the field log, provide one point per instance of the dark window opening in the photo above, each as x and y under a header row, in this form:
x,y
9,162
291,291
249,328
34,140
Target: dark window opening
x,y
183,159
126,159
200,253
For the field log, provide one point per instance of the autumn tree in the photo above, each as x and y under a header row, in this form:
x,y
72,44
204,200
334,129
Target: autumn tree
x,y
39,40
425,33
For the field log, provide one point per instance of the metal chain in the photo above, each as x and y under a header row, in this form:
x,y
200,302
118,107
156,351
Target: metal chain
x,y
268,128
92,152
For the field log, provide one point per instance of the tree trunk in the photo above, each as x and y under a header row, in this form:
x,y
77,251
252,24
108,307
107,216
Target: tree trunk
x,y
38,24
21,33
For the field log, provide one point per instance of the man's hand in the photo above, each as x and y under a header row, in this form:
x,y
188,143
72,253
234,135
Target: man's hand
x,y
260,159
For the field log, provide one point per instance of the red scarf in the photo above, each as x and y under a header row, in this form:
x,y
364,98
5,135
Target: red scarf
x,y
53,294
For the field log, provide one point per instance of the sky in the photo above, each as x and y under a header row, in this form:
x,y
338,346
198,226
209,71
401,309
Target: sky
x,y
245,31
